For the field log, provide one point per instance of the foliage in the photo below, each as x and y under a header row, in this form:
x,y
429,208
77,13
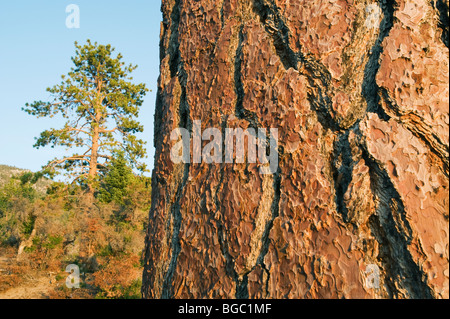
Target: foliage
x,y
28,225
16,200
115,183
118,278
106,239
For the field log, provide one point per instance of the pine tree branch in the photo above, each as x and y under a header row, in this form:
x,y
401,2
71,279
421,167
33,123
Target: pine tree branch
x,y
109,131
73,129
70,158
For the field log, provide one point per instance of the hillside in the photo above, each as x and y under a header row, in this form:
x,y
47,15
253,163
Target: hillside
x,y
6,172
41,234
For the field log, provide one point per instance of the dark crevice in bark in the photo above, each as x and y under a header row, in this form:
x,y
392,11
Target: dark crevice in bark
x,y
276,27
242,288
370,88
442,7
384,255
165,25
174,44
222,18
275,208
391,229
240,111
157,119
342,172
320,103
266,285
238,85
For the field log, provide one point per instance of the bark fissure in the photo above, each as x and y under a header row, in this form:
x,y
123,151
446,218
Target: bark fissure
x,y
240,111
342,173
443,12
277,29
370,88
394,234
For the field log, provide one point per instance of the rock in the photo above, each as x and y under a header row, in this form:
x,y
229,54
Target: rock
x,y
358,205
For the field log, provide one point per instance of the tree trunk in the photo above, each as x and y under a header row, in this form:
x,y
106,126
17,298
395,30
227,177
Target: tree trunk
x,y
26,243
358,204
93,160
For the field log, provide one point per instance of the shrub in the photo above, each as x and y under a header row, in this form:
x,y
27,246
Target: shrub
x,y
104,239
118,277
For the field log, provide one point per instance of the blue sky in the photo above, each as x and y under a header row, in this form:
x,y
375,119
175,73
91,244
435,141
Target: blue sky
x,y
36,47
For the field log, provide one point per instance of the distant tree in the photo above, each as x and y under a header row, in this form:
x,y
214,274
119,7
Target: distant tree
x,y
115,182
121,185
14,200
100,105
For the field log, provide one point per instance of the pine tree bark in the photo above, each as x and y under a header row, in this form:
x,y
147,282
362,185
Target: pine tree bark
x,y
93,162
358,207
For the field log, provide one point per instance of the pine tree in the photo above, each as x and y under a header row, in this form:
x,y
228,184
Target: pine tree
x,y
114,184
100,105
